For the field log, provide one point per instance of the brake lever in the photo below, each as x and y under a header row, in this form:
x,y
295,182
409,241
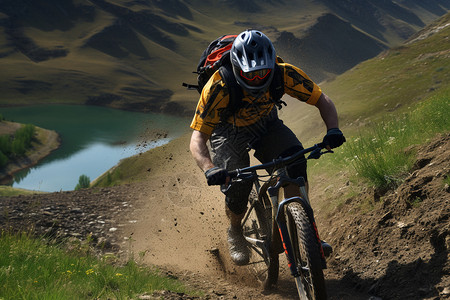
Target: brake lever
x,y
225,187
239,177
317,153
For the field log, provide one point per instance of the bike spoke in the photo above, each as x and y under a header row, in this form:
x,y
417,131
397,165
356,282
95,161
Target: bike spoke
x,y
305,269
257,262
261,273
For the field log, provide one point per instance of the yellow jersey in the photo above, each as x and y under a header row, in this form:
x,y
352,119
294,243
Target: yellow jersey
x,y
296,84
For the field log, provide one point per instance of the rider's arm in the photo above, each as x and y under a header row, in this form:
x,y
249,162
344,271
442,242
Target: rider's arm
x,y
327,111
200,151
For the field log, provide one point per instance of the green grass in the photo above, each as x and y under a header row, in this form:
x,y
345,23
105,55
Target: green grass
x,y
384,153
447,180
380,156
7,191
32,268
112,177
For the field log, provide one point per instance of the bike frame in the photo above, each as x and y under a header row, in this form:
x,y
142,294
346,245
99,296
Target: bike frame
x,y
278,208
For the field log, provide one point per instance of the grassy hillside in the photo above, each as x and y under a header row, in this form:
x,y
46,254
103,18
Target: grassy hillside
x,y
386,85
135,54
36,268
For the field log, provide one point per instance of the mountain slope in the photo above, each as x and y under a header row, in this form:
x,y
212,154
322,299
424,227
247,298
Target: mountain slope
x,y
135,54
385,85
329,47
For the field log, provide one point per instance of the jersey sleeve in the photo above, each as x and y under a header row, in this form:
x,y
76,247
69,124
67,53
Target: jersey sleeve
x,y
299,85
212,100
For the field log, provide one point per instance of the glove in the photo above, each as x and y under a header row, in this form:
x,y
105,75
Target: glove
x,y
216,176
334,138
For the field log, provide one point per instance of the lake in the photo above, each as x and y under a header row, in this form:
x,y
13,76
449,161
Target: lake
x,y
93,140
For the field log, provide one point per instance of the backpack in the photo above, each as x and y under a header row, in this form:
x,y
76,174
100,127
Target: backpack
x,y
217,57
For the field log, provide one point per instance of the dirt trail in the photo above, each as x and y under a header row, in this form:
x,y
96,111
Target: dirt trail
x,y
180,226
398,250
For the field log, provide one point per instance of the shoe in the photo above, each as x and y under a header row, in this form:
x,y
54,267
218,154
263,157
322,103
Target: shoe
x,y
237,245
327,249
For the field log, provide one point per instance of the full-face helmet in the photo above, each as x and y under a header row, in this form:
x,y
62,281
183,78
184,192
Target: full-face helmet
x,y
253,59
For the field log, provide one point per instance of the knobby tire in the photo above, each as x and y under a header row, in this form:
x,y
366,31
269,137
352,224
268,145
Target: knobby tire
x,y
306,252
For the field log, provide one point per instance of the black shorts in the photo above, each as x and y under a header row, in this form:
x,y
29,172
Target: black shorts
x,y
230,148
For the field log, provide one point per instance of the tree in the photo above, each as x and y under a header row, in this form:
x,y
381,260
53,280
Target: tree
x,y
84,182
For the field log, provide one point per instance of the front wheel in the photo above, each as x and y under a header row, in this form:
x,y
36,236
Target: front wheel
x,y
310,283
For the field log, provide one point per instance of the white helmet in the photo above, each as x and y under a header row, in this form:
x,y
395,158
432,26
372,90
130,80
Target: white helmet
x,y
253,57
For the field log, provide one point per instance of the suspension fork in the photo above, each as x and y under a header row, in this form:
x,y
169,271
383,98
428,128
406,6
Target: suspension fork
x,y
278,211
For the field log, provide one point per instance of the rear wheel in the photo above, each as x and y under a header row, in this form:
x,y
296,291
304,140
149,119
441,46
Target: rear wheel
x,y
310,283
257,229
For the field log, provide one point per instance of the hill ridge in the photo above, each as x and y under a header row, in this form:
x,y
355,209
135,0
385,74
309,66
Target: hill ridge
x,y
42,41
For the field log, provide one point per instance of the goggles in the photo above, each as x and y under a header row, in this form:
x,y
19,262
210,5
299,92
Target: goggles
x,y
260,74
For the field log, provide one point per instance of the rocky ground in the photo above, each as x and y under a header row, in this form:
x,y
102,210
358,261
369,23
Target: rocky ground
x,y
84,214
397,250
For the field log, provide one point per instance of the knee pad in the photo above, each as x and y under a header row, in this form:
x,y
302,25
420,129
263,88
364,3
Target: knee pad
x,y
237,205
298,169
237,196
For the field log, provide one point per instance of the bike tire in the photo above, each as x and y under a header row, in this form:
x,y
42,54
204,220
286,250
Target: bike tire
x,y
263,266
311,282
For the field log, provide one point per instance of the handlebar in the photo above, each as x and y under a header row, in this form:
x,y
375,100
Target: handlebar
x,y
278,163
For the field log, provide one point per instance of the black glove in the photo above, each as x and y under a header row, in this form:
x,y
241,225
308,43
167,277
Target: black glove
x,y
334,138
216,176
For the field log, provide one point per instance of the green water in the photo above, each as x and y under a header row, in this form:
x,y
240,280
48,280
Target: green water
x,y
94,139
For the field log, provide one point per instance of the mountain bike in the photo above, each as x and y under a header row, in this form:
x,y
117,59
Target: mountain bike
x,y
274,224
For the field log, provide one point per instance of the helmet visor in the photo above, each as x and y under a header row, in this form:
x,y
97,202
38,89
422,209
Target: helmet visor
x,y
253,75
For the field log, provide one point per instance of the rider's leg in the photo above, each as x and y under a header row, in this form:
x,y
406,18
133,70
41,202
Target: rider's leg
x,y
234,219
237,245
229,149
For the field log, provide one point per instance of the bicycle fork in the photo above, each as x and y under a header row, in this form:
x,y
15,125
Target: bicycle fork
x,y
280,218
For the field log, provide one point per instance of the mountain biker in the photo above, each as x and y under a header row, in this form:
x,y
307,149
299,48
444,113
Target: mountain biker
x,y
254,126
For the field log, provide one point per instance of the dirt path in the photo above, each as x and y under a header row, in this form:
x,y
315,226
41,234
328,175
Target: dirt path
x,y
398,250
179,225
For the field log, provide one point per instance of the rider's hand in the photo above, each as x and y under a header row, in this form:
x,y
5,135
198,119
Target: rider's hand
x,y
216,176
334,138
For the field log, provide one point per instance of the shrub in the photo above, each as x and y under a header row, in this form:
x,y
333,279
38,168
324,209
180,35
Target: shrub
x,y
3,159
19,143
83,182
5,144
25,134
18,147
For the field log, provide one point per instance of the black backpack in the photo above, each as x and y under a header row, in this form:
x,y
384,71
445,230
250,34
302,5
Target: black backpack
x,y
217,57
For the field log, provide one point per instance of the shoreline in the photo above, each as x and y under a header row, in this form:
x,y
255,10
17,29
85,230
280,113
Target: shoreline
x,y
46,142
171,108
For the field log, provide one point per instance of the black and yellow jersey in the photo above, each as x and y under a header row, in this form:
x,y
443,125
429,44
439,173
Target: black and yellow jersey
x,y
296,84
